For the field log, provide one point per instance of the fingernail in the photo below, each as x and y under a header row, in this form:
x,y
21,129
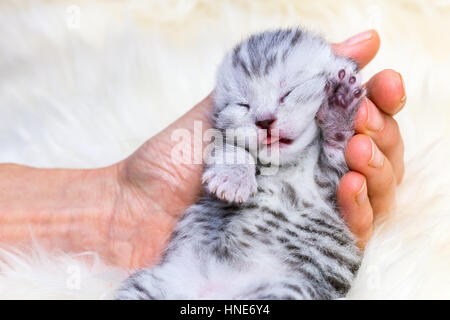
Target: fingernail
x,y
361,195
403,99
375,121
377,159
360,37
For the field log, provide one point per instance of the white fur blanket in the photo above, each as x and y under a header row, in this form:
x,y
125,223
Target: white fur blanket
x,y
84,83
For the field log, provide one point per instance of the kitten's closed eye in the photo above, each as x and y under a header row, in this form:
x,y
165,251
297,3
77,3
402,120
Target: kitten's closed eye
x,y
245,105
282,98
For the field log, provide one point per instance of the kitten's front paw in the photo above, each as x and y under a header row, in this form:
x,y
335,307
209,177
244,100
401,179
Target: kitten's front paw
x,y
344,89
335,116
231,183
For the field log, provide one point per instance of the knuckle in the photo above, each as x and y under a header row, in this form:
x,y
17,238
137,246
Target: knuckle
x,y
364,223
381,188
390,180
391,137
358,145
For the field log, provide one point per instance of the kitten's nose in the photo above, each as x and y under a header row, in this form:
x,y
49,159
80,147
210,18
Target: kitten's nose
x,y
265,124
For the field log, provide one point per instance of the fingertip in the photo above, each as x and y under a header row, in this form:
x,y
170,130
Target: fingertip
x,y
384,131
350,187
362,47
354,204
387,90
358,151
369,119
351,182
361,116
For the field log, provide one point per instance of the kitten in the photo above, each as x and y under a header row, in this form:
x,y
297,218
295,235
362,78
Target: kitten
x,y
268,236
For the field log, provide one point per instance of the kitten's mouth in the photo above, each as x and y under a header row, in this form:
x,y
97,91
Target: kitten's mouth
x,y
273,139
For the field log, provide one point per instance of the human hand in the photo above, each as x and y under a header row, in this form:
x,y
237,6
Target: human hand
x,y
375,154
154,188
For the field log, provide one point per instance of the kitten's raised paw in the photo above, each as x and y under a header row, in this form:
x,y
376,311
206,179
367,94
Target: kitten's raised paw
x,y
344,89
335,117
230,183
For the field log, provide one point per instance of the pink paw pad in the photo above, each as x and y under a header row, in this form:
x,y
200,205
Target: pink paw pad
x,y
335,116
344,89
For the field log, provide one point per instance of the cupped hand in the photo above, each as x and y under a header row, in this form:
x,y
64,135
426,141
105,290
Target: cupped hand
x,y
375,154
155,188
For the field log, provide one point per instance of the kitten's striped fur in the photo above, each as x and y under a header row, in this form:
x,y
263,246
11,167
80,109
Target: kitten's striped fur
x,y
288,240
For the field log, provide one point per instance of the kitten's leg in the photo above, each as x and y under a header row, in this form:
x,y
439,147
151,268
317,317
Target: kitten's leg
x,y
231,175
335,117
176,277
143,285
287,288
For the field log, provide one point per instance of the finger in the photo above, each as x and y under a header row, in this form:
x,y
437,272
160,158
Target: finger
x,y
361,47
384,131
355,207
387,90
363,156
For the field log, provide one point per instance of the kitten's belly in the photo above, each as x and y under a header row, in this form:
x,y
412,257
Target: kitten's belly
x,y
281,231
284,229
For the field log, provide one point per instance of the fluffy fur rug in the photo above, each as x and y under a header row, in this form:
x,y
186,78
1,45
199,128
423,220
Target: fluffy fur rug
x,y
84,83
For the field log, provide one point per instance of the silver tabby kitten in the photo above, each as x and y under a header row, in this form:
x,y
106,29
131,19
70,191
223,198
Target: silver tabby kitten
x,y
268,236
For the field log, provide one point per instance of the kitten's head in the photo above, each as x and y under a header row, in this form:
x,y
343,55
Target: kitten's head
x,y
272,85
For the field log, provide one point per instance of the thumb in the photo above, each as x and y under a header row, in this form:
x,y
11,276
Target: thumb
x,y
362,47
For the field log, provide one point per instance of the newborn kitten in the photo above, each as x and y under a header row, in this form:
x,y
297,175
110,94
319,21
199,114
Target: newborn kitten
x,y
273,236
